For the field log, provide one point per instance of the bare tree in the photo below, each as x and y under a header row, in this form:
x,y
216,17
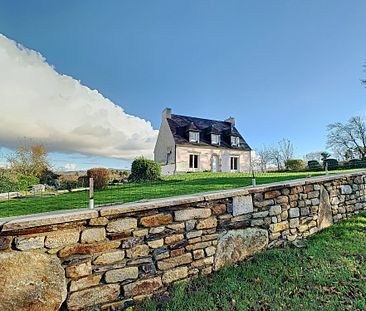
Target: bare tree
x,y
275,156
286,150
264,157
311,156
349,137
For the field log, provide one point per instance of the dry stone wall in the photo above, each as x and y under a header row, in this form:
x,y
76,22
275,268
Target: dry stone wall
x,y
109,258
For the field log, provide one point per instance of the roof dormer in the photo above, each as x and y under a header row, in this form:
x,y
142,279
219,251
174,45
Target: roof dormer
x,y
193,133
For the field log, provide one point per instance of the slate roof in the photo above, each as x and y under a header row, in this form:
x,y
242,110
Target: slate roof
x,y
180,125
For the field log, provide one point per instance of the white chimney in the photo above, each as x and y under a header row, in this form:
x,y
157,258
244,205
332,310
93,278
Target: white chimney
x,y
231,120
167,113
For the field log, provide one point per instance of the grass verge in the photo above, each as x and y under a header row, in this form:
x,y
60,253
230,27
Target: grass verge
x,y
329,273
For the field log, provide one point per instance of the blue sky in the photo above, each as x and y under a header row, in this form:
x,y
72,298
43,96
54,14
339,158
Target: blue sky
x,y
281,68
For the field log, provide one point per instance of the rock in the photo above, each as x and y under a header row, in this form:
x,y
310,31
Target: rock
x,y
279,226
79,269
173,262
207,223
89,281
87,249
138,251
122,225
275,210
93,296
210,251
271,194
92,235
198,254
24,244
235,245
109,258
294,222
31,281
294,212
171,239
156,243
203,262
156,220
174,275
242,205
192,213
142,287
193,234
4,243
61,239
120,275
100,221
346,189
219,209
325,210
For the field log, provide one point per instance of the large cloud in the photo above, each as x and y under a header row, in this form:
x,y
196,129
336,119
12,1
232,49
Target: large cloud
x,y
38,103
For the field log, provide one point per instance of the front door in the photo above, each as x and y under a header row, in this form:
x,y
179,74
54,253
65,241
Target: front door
x,y
215,163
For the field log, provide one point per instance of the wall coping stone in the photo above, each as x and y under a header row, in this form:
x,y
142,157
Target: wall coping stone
x,y
57,217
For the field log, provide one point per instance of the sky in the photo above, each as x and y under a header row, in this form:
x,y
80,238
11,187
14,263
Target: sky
x,y
104,71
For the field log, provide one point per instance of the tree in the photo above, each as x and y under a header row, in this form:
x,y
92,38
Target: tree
x,y
264,157
286,150
324,156
295,164
349,137
275,155
100,176
144,170
29,160
313,156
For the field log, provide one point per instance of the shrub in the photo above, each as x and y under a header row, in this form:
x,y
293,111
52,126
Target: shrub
x,y
100,176
25,182
68,182
332,164
314,165
144,170
295,164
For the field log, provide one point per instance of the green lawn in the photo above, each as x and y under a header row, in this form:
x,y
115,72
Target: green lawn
x,y
169,186
328,274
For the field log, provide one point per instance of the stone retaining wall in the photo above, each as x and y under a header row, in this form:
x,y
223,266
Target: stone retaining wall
x,y
113,256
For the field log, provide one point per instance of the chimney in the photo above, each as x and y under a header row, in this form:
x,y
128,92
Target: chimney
x,y
167,113
231,120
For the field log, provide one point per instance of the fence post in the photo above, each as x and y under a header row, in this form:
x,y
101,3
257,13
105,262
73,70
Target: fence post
x,y
326,169
254,182
91,192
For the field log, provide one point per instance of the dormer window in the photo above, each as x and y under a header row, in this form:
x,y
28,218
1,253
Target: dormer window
x,y
215,139
234,141
194,137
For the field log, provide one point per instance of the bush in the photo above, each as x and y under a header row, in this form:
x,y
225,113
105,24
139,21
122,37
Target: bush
x,y
314,165
25,182
100,176
144,170
68,182
295,164
332,164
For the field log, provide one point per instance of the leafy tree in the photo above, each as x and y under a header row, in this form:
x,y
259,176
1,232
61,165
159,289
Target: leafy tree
x,y
295,164
29,160
324,156
144,170
349,137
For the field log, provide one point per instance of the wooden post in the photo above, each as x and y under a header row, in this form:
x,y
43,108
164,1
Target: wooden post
x,y
91,192
254,182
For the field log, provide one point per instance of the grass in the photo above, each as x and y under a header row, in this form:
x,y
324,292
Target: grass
x,y
328,274
169,186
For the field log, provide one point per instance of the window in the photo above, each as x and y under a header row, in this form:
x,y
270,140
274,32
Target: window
x,y
194,137
193,161
234,141
234,161
215,139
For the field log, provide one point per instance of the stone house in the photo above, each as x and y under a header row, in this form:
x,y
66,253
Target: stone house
x,y
190,144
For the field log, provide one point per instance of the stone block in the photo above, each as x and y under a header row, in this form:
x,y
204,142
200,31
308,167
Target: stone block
x,y
203,262
174,238
156,220
279,226
242,205
86,282
198,253
174,275
62,238
84,249
138,251
207,223
79,269
294,212
210,251
156,243
120,275
192,213
122,225
275,210
173,262
346,189
142,287
24,244
100,221
271,194
110,258
92,235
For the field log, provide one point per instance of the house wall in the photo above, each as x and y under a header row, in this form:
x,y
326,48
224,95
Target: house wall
x,y
206,153
164,144
110,257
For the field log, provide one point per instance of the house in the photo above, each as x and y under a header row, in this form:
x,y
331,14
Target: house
x,y
189,144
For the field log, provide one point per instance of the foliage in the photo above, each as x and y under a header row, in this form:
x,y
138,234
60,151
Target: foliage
x,y
68,181
325,155
144,170
48,177
29,160
7,182
348,138
100,176
314,165
332,164
295,164
25,182
328,273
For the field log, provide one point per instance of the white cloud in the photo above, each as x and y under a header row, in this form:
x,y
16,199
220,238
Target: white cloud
x,y
37,102
70,167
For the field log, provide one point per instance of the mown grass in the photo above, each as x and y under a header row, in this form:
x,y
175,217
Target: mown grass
x,y
167,187
329,273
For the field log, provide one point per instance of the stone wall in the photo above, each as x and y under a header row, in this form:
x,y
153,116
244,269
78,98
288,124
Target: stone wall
x,y
113,256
